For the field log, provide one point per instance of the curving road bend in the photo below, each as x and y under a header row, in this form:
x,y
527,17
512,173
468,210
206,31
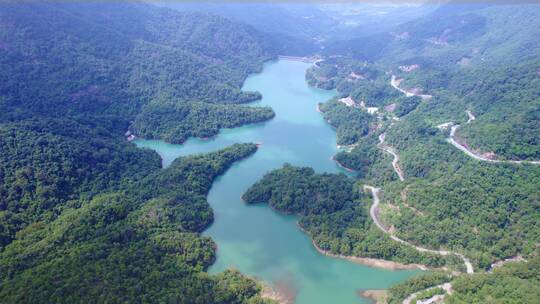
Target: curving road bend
x,y
447,287
471,116
395,162
373,212
394,82
466,150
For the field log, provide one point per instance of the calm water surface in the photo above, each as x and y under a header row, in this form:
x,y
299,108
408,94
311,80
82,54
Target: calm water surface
x,y
255,239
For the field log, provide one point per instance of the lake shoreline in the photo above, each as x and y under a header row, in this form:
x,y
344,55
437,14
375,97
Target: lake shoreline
x,y
371,262
270,293
377,296
264,244
333,158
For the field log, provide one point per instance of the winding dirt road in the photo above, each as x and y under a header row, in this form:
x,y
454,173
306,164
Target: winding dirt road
x,y
374,209
452,140
447,287
394,82
373,212
395,161
471,116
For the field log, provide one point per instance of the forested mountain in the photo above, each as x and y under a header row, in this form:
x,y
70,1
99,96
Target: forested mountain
x,y
472,69
477,32
124,59
85,216
295,19
136,241
48,164
465,204
493,202
335,213
505,100
292,28
511,283
351,123
305,28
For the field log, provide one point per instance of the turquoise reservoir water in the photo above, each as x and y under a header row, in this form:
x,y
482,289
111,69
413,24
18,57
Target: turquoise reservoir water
x,y
256,240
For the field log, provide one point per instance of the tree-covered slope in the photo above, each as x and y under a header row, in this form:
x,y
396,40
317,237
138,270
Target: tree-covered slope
x,y
85,216
176,121
477,32
334,212
50,164
292,28
449,199
506,103
504,100
513,282
114,58
468,61
139,242
489,210
351,123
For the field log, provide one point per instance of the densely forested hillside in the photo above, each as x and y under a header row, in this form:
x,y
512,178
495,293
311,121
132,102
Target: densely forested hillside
x,y
120,57
506,103
351,123
85,216
484,208
482,32
510,283
136,241
47,165
472,65
495,203
367,160
334,212
504,99
400,291
292,28
308,27
175,121
366,83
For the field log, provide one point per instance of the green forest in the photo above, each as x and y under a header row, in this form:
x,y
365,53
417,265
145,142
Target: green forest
x,y
506,99
495,204
136,239
334,212
175,121
511,283
367,160
85,216
489,212
351,123
400,291
128,60
474,207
